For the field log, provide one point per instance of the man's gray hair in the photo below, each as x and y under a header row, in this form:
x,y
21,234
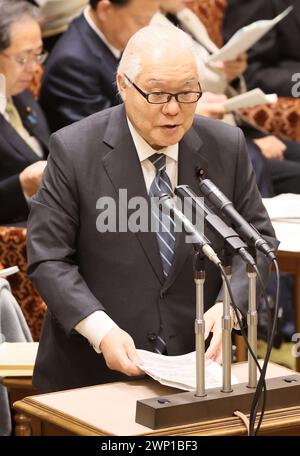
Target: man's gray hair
x,y
12,11
154,39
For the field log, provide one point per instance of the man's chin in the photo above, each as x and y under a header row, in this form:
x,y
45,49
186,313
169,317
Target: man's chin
x,y
167,140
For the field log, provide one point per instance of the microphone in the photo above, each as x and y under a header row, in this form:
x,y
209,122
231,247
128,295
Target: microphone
x,y
247,231
199,240
216,223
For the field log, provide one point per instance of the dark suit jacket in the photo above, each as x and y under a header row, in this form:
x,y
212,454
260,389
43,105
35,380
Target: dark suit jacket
x,y
15,155
276,57
78,270
79,78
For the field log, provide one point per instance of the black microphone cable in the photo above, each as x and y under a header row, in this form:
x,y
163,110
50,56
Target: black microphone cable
x,y
261,389
261,382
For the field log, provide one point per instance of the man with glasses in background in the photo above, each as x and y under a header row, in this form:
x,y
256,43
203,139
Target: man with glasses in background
x,y
24,132
110,290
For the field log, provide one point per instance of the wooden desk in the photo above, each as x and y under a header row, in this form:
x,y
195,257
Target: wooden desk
x,y
110,410
18,388
290,262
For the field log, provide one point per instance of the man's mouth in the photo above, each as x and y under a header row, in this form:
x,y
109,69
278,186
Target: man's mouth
x,y
171,127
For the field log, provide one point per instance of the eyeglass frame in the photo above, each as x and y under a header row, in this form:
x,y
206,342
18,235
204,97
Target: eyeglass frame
x,y
170,95
23,61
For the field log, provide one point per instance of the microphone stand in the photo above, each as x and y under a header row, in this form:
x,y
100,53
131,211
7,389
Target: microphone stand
x,y
199,278
226,326
252,321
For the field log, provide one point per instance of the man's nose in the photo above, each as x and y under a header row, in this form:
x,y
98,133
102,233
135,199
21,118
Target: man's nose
x,y
172,107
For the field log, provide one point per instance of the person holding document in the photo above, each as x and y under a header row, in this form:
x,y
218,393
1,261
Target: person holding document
x,y
275,58
110,284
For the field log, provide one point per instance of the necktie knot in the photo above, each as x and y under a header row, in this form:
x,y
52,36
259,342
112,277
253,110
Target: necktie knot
x,y
159,161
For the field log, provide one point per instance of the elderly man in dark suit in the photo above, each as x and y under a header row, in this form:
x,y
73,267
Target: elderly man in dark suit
x,y
23,129
274,60
111,284
80,74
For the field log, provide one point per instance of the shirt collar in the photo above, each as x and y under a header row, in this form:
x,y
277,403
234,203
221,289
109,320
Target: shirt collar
x,y
144,150
116,52
3,99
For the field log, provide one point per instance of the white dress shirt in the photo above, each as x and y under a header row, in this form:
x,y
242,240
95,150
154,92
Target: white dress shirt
x,y
98,324
2,94
116,52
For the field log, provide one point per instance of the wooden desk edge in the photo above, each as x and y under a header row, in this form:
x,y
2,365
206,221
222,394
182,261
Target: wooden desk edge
x,y
273,420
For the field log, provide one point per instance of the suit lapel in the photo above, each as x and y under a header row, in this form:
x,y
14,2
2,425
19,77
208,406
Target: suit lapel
x,y
191,162
15,140
124,170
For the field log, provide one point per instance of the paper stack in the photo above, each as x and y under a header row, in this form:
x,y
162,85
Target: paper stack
x,y
246,37
17,358
180,371
284,212
249,99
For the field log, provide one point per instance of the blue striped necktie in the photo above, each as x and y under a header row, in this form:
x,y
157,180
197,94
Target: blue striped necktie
x,y
165,225
165,231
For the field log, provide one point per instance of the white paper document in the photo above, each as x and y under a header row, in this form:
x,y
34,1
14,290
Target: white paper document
x,y
18,355
246,37
249,99
284,207
180,371
284,212
289,236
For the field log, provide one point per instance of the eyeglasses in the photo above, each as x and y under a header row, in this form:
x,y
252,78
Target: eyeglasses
x,y
37,58
165,97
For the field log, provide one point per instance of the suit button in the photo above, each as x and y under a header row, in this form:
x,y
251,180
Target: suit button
x,y
151,336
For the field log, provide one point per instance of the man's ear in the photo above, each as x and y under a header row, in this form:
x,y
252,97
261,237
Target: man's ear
x,y
103,9
122,85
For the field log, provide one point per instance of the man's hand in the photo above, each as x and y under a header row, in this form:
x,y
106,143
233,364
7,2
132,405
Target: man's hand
x,y
30,177
119,352
233,68
211,105
213,323
271,147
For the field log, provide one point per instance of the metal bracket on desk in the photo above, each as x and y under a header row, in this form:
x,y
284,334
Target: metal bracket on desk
x,y
186,408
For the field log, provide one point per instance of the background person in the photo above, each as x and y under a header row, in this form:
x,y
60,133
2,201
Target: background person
x,y
24,132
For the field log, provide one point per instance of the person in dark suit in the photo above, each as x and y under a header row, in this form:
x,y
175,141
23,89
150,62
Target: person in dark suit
x,y
80,73
111,288
274,60
24,132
